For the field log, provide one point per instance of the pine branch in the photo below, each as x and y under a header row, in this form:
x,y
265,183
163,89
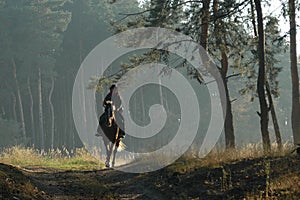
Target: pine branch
x,y
232,75
137,13
222,16
227,77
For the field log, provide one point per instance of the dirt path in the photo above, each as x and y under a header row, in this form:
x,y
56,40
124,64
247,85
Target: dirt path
x,y
100,184
244,179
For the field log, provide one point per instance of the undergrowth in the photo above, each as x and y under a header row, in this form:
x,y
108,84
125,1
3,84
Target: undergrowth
x,y
81,159
217,158
57,159
247,172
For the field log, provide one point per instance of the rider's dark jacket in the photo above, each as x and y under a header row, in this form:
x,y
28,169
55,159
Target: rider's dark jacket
x,y
117,102
116,99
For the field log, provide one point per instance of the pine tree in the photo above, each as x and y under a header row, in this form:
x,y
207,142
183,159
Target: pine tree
x,y
294,73
32,36
261,79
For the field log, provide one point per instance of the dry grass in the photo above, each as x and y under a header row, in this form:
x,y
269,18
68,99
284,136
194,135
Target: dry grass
x,y
82,159
277,170
217,158
247,173
250,151
57,159
288,185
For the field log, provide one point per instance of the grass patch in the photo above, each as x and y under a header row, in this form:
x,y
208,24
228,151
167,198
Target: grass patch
x,y
28,157
217,158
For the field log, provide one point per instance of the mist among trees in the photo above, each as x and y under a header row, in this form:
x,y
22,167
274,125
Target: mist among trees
x,y
44,42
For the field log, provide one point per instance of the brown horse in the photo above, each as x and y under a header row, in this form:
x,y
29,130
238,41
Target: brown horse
x,y
111,133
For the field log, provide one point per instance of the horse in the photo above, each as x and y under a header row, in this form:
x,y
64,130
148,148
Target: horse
x,y
111,133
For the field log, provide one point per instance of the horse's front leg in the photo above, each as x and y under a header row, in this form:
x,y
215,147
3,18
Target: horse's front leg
x,y
108,153
115,148
108,147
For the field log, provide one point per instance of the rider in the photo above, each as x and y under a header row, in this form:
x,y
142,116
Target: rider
x,y
113,98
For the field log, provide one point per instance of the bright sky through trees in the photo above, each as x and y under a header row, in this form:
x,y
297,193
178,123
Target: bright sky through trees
x,y
276,9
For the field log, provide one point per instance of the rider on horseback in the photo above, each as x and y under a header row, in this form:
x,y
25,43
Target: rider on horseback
x,y
111,124
112,99
113,109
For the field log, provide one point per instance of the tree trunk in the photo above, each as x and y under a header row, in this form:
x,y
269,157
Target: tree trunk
x,y
294,74
19,97
143,107
274,118
204,24
14,106
41,117
83,102
62,111
253,18
3,112
205,59
229,130
221,42
52,112
269,95
264,112
161,97
33,140
65,113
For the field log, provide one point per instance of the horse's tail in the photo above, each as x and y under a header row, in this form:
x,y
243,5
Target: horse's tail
x,y
121,146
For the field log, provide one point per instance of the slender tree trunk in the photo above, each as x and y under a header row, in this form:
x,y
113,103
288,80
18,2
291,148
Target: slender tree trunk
x,y
271,106
205,17
261,80
143,107
274,118
221,42
66,115
3,111
157,17
253,18
294,74
229,130
161,97
31,111
52,112
71,125
14,106
63,112
41,116
204,24
71,122
83,103
19,97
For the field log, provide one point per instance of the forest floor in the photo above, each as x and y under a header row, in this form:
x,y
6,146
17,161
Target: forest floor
x,y
257,178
